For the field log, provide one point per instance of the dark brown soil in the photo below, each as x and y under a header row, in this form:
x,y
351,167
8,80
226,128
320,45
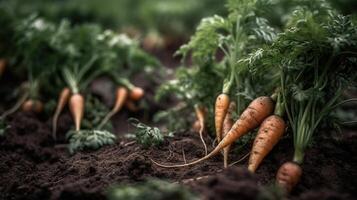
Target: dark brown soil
x,y
33,166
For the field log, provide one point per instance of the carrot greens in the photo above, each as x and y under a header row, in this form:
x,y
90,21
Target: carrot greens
x,y
146,135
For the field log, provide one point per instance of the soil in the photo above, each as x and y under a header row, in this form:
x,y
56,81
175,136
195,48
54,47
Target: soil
x,y
33,166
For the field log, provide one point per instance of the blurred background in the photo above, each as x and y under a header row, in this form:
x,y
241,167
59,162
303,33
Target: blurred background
x,y
157,23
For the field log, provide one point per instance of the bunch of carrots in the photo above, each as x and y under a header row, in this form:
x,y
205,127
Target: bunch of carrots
x,y
305,69
71,57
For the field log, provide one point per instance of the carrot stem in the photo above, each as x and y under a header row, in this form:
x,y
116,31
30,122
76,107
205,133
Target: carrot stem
x,y
279,106
298,155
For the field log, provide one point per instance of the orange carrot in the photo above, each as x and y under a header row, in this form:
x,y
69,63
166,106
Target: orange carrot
x,y
136,93
288,175
62,101
76,106
270,131
221,108
30,105
121,96
196,126
227,125
201,115
2,66
252,116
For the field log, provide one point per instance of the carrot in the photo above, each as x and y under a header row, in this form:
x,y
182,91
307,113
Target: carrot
x,y
121,96
270,131
63,99
288,175
227,125
221,108
257,111
136,93
196,126
2,66
200,114
76,106
30,105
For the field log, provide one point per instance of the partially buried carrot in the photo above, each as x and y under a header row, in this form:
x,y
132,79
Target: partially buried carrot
x,y
31,105
257,111
136,93
76,106
221,108
196,126
201,116
270,131
227,125
288,175
121,96
62,101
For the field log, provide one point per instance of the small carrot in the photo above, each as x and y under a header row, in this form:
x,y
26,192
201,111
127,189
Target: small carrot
x,y
289,175
76,106
257,111
201,117
196,126
136,93
227,125
62,101
2,66
221,108
270,131
31,105
121,96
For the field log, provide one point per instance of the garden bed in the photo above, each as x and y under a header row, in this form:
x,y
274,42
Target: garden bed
x,y
33,166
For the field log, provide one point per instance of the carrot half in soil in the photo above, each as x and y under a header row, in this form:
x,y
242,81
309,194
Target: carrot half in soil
x,y
251,118
201,117
32,105
227,125
136,93
289,175
76,106
62,101
121,96
269,133
221,108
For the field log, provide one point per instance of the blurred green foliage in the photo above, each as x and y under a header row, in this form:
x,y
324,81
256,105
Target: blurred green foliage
x,y
146,135
151,190
171,17
89,139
